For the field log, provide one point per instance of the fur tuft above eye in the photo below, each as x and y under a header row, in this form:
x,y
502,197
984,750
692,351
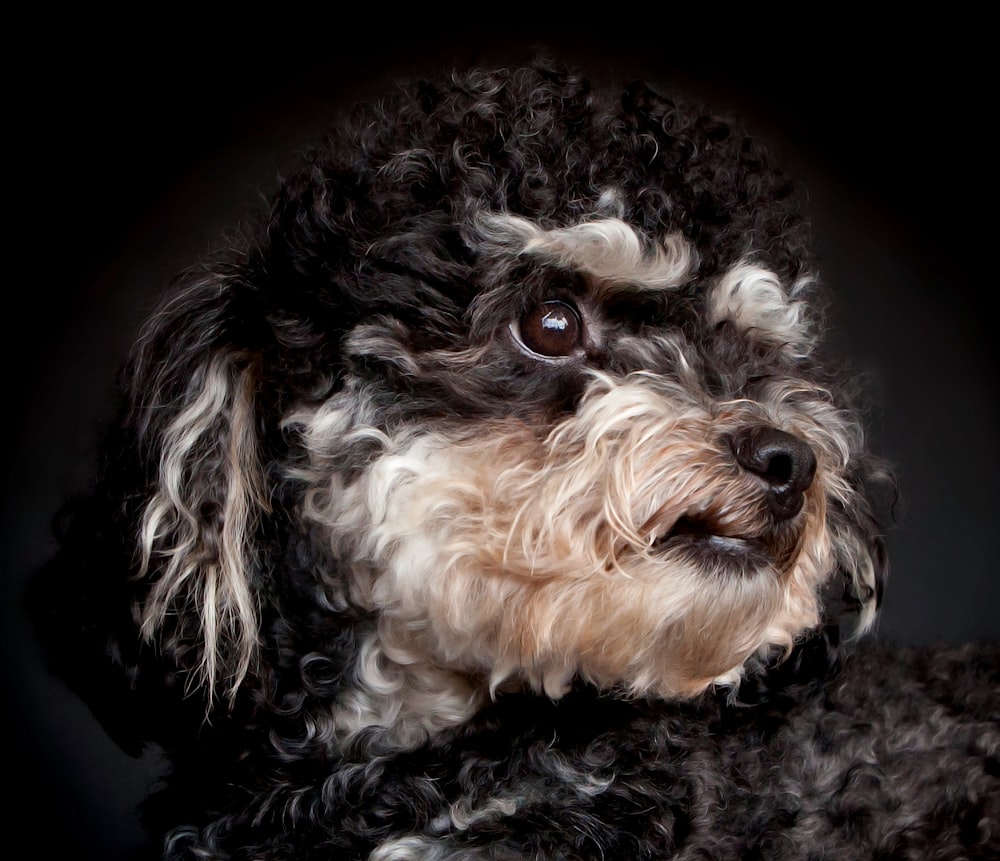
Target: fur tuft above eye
x,y
550,330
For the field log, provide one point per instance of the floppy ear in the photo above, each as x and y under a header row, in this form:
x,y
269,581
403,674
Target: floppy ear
x,y
193,387
151,589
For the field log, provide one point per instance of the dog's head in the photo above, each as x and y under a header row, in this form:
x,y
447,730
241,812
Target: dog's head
x,y
517,383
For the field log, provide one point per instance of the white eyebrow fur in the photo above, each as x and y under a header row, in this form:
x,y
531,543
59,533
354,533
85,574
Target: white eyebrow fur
x,y
608,249
752,298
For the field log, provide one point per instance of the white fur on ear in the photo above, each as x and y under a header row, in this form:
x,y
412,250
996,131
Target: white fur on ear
x,y
197,527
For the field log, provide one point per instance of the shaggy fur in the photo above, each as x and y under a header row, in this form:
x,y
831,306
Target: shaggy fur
x,y
492,499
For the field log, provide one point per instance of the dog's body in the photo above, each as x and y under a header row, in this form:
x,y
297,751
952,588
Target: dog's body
x,y
491,500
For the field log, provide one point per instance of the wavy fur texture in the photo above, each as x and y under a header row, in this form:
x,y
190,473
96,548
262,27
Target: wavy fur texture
x,y
494,499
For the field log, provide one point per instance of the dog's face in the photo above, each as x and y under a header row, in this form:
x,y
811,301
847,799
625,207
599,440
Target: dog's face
x,y
631,516
535,371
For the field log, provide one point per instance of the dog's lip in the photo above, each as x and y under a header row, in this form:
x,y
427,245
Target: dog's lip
x,y
703,536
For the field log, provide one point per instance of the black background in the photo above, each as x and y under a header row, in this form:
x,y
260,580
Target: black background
x,y
132,145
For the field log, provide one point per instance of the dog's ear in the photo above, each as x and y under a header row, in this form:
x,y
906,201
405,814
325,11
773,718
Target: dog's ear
x,y
155,588
151,592
193,385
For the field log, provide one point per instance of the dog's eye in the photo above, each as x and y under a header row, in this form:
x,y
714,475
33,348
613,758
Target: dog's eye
x,y
551,329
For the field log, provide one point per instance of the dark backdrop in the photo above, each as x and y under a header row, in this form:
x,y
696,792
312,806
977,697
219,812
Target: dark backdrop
x,y
130,150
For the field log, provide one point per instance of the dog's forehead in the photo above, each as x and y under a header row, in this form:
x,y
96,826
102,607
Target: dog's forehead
x,y
560,151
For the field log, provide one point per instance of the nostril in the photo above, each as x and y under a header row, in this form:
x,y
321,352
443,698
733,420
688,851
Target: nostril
x,y
779,468
782,460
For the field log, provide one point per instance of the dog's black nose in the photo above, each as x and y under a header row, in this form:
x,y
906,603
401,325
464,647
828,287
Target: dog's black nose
x,y
785,463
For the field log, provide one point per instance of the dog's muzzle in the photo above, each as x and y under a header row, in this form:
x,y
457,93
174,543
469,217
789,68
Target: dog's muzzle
x,y
785,464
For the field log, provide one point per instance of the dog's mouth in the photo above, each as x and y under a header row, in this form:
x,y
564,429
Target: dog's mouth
x,y
710,540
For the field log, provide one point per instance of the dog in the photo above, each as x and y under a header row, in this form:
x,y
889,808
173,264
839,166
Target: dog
x,y
491,497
